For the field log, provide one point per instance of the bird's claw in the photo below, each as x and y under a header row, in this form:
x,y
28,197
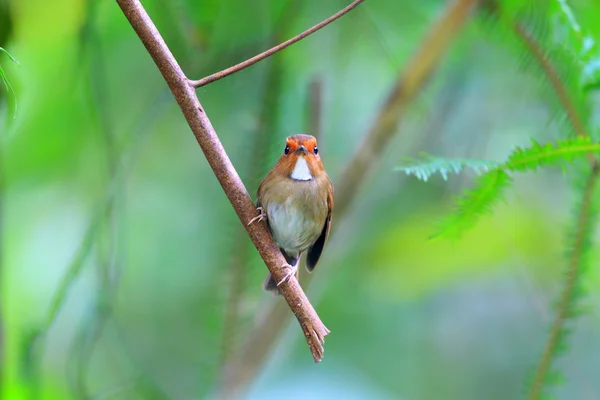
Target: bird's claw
x,y
289,274
260,217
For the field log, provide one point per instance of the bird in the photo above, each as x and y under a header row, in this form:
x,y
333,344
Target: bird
x,y
295,199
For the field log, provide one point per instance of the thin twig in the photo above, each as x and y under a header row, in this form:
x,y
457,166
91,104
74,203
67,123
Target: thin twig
x,y
245,64
409,83
312,327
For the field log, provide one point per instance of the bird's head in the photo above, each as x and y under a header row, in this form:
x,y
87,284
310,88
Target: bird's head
x,y
300,159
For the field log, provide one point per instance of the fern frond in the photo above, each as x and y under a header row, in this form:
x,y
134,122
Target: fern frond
x,y
488,190
479,200
557,153
579,259
560,152
429,165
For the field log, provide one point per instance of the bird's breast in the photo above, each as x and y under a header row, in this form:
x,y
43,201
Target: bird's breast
x,y
296,212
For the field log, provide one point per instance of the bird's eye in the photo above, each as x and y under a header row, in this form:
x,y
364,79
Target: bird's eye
x,y
316,150
287,150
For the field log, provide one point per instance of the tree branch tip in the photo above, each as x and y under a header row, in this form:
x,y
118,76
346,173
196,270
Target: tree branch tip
x,y
315,337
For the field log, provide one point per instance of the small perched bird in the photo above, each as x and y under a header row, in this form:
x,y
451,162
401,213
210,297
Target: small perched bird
x,y
296,199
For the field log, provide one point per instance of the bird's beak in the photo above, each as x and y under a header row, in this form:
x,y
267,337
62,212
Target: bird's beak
x,y
301,150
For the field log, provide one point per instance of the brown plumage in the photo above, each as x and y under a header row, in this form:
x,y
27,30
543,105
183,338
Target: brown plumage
x,y
296,197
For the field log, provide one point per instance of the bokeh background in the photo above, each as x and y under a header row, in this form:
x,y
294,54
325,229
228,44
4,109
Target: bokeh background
x,y
109,206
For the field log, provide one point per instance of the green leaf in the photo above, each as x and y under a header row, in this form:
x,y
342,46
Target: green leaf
x,y
490,187
423,169
474,203
559,153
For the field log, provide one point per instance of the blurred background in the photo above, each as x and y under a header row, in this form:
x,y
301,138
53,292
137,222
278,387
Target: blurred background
x,y
126,274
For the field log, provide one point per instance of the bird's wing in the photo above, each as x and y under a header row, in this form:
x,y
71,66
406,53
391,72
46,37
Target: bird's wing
x,y
314,252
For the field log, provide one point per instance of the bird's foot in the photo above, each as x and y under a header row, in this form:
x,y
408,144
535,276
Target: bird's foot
x,y
289,274
260,217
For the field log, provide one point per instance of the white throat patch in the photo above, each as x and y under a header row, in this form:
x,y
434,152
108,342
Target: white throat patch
x,y
301,171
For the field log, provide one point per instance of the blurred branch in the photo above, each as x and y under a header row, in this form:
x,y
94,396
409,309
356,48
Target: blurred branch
x,y
238,275
93,324
2,272
568,294
559,87
5,33
7,85
569,291
409,83
315,108
143,381
312,327
557,84
33,344
245,64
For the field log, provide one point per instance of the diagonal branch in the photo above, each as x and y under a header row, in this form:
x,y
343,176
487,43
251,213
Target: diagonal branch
x,y
245,64
409,83
264,134
185,95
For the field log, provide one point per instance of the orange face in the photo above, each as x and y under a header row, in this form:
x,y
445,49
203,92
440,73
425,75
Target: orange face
x,y
305,147
301,144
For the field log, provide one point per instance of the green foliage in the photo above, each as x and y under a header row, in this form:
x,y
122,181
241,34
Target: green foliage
x,y
490,187
431,165
579,239
571,64
563,152
178,241
488,190
567,55
4,79
576,42
553,49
